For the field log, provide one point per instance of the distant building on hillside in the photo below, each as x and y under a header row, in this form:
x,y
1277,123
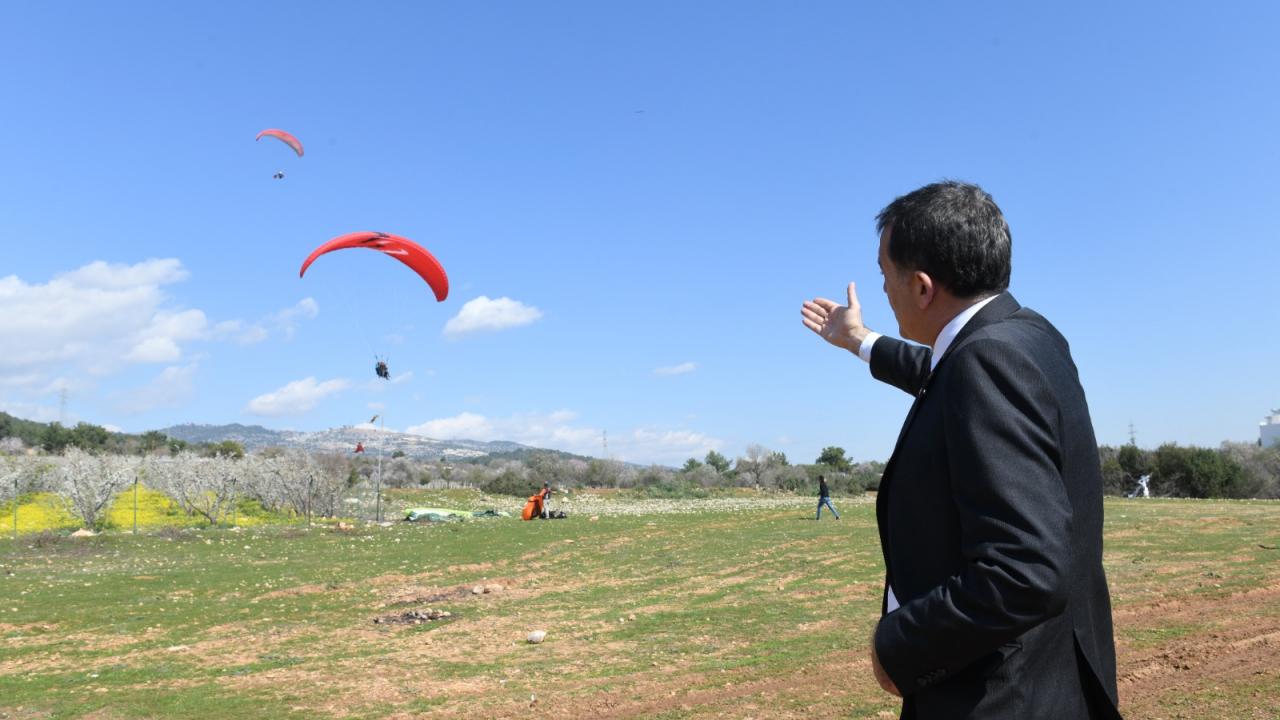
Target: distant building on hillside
x,y
1269,430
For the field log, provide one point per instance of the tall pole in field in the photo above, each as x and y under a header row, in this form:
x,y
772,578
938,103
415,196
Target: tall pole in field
x,y
377,487
135,503
15,513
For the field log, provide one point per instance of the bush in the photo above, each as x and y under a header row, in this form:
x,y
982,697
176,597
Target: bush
x,y
1114,478
867,475
1261,467
511,482
795,478
1196,472
674,488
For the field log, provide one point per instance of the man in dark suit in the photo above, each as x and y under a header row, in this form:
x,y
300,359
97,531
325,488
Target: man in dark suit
x,y
990,508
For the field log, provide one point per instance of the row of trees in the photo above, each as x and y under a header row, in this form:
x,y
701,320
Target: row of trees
x,y
302,484
206,487
55,438
1233,470
758,468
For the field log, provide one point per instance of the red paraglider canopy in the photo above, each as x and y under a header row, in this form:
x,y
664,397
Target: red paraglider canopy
x,y
406,251
283,137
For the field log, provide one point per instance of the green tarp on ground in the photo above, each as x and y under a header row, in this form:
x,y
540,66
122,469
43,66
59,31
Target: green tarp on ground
x,y
447,514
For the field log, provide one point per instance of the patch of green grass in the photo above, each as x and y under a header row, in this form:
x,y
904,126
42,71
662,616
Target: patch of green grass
x,y
203,622
1141,638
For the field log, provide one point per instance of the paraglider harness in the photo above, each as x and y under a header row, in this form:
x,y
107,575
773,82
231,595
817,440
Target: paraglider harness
x,y
380,367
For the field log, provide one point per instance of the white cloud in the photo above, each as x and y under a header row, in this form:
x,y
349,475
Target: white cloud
x,y
236,331
670,447
252,335
173,387
111,276
97,318
306,308
296,398
285,322
681,369
38,413
155,350
26,380
377,406
467,426
556,431
483,314
562,416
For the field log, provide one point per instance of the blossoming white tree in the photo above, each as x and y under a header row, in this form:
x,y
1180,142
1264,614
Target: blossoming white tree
x,y
201,486
87,483
296,482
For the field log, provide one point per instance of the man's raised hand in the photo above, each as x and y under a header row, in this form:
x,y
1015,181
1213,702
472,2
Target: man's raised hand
x,y
840,325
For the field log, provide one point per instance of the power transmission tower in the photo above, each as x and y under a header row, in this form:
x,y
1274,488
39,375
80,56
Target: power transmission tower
x,y
605,443
1133,435
62,407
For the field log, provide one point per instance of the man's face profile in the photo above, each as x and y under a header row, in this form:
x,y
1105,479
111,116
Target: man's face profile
x,y
897,286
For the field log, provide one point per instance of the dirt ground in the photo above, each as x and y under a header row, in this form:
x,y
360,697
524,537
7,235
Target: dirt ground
x,y
1236,641
1232,642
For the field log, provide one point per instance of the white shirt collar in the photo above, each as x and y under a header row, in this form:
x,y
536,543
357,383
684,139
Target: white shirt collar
x,y
953,328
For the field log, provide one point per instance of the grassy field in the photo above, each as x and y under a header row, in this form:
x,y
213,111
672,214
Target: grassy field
x,y
670,609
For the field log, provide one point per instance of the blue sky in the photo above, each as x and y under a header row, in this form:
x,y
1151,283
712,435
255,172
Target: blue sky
x,y
653,188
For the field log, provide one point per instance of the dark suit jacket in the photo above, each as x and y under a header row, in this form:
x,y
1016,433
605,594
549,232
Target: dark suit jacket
x,y
990,517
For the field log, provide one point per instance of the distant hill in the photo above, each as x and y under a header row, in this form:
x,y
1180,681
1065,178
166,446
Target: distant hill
x,y
344,439
255,437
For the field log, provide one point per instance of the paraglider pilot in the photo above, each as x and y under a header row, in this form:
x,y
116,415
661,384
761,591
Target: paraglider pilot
x,y
381,369
545,494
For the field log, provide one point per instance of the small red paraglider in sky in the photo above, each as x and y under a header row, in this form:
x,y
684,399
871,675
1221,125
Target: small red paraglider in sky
x,y
284,137
359,447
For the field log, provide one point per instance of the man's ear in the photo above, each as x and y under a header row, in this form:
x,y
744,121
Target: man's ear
x,y
924,289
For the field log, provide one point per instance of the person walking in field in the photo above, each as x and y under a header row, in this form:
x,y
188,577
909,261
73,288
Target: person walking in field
x,y
824,498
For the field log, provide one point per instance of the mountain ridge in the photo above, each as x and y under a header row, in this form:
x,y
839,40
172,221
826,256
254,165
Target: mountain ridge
x,y
344,440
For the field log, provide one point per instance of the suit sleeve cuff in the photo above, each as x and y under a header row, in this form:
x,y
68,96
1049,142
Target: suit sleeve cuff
x,y
890,647
864,350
